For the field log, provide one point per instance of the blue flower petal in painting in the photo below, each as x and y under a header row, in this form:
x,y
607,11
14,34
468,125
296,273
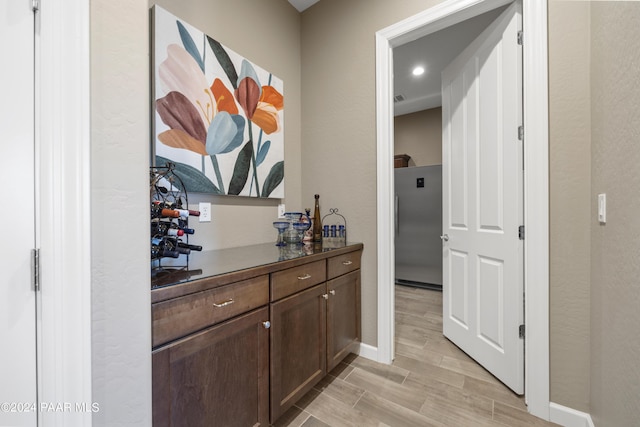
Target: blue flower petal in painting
x,y
263,152
189,44
223,134
237,140
247,70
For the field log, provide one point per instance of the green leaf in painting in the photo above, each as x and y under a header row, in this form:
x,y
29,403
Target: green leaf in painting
x,y
225,61
189,44
262,153
241,169
275,177
193,180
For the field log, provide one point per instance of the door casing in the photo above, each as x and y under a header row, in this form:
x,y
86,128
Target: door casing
x,y
536,180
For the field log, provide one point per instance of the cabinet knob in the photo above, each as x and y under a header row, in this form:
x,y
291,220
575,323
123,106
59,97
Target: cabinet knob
x,y
305,277
325,296
347,262
266,324
332,291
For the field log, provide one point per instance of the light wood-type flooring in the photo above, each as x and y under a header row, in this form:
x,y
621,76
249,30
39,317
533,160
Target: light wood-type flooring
x,y
430,383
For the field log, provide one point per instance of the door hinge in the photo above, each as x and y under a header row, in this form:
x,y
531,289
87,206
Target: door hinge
x,y
521,133
35,269
521,232
520,38
521,331
35,5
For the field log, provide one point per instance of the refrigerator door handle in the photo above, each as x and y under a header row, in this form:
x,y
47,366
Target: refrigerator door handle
x,y
396,214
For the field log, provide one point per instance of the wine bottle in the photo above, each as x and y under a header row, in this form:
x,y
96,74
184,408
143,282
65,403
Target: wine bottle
x,y
188,246
165,228
175,244
185,213
158,211
317,222
159,249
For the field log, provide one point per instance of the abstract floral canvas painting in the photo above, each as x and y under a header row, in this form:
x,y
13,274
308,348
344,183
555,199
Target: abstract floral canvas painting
x,y
217,116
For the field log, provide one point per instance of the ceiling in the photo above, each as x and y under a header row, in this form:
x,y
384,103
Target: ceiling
x,y
303,4
433,52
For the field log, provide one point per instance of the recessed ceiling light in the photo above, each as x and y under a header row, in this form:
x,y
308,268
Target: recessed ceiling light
x,y
418,71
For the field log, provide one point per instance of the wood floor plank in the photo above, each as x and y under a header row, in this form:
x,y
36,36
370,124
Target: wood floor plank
x,y
390,372
335,413
512,417
392,414
468,368
394,392
423,369
344,391
494,390
419,353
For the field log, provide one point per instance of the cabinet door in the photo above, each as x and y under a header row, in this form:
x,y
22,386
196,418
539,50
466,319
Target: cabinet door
x,y
298,350
218,377
343,317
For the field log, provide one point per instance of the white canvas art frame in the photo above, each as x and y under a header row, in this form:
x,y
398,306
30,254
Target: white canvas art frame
x,y
218,118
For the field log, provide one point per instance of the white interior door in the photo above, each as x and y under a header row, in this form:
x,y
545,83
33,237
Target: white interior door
x,y
483,200
17,297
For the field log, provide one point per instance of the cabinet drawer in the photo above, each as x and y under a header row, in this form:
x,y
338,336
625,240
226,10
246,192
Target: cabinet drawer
x,y
343,264
180,316
292,280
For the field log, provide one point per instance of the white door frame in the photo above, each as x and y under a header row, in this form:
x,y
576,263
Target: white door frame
x,y
63,201
536,192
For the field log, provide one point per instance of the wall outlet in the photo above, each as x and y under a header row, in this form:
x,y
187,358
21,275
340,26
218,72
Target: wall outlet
x,y
281,210
205,212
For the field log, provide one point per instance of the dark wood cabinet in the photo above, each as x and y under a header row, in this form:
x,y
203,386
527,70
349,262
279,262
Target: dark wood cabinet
x,y
240,348
298,349
343,317
219,376
313,329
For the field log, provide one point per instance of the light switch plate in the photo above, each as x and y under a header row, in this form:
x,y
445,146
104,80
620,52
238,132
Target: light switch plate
x,y
602,208
205,212
281,210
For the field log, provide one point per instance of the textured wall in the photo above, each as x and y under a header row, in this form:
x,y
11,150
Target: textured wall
x,y
266,32
419,135
121,306
615,247
339,122
569,202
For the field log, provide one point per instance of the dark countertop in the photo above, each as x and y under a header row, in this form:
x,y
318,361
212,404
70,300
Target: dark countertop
x,y
225,266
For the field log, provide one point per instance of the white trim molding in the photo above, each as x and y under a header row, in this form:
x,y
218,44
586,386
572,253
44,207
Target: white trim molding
x,y
535,85
568,417
63,211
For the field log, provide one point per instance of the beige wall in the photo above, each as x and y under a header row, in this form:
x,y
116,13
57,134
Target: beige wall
x,y
419,135
339,123
615,247
266,32
569,202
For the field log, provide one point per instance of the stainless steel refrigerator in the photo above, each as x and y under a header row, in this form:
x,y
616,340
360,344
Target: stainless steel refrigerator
x,y
418,226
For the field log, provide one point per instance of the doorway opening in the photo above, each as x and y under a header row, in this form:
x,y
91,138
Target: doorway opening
x,y
535,183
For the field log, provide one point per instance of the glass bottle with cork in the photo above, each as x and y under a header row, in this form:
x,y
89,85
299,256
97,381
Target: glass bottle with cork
x,y
317,221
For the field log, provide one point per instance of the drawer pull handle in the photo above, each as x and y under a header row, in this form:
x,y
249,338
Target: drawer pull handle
x,y
332,291
325,296
222,304
266,324
305,277
347,262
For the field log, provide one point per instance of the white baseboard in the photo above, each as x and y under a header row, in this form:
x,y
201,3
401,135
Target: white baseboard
x,y
568,417
368,352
